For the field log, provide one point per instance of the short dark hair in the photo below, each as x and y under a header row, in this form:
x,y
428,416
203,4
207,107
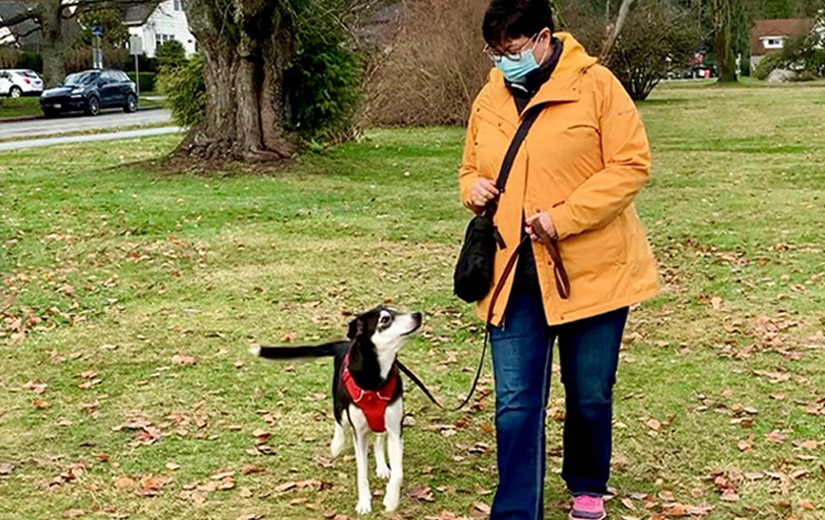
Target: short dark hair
x,y
511,19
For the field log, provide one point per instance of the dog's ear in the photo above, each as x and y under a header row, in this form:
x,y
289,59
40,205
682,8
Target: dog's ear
x,y
356,328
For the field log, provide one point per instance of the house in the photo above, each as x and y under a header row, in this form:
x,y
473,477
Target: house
x,y
769,36
160,21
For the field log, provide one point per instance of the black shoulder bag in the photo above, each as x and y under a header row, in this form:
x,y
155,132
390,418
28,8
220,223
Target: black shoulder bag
x,y
474,270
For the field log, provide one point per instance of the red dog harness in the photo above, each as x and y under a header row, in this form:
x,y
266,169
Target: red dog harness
x,y
373,403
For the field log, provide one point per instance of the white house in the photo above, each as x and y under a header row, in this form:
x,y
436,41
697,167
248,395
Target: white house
x,y
769,36
160,21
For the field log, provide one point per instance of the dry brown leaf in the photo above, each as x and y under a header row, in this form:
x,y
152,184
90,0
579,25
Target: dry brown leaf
x,y
289,337
286,486
73,513
422,493
249,469
628,504
6,468
172,466
183,360
653,424
40,404
729,495
245,492
697,493
667,496
124,482
252,516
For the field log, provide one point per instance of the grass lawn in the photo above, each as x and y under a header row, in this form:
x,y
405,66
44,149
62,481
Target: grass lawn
x,y
130,296
30,106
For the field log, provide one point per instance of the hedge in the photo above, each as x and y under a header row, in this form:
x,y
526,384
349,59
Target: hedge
x,y
147,80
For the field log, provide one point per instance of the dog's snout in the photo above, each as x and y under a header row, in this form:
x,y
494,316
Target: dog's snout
x,y
417,317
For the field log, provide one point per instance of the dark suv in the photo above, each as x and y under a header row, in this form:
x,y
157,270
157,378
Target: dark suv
x,y
91,91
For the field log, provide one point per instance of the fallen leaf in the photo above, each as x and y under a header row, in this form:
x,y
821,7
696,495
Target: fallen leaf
x,y
653,424
124,482
667,496
697,493
729,495
253,516
73,513
628,504
239,364
183,360
171,466
245,492
776,437
40,404
716,303
249,469
289,337
6,468
422,493
286,486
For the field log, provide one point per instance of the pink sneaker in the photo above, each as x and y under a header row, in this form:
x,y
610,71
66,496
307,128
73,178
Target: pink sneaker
x,y
588,507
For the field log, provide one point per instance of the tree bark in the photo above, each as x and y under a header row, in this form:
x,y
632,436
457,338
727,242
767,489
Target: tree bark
x,y
723,20
247,45
53,48
624,10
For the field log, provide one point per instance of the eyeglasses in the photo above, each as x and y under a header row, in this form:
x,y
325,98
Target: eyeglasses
x,y
511,55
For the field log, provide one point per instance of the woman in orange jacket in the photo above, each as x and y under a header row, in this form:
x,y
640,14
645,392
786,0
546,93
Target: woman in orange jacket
x,y
572,185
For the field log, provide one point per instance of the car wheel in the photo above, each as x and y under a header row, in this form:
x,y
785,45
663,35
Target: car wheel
x,y
93,106
131,104
15,92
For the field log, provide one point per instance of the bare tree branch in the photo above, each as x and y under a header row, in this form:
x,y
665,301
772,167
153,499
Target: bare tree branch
x,y
624,10
33,13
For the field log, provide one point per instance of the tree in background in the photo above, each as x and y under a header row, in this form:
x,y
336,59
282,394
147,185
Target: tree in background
x,y
249,46
170,54
49,16
659,38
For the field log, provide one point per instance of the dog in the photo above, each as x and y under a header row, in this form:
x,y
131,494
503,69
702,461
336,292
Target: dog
x,y
367,393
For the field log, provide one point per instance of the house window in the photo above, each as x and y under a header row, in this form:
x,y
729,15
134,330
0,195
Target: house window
x,y
161,38
178,5
773,42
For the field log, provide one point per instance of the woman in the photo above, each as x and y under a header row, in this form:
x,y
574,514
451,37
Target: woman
x,y
572,184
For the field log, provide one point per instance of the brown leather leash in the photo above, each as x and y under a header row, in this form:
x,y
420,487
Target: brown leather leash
x,y
562,285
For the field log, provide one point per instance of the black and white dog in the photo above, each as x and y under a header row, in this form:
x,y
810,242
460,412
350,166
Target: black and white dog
x,y
367,393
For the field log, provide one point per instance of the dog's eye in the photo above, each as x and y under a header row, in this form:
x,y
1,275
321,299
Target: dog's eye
x,y
385,320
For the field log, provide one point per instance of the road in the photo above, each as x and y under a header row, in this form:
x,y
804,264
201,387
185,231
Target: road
x,y
72,124
69,139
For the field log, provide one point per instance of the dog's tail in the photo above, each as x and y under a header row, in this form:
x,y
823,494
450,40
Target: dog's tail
x,y
326,350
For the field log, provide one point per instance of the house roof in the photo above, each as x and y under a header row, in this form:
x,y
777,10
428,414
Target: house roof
x,y
787,27
138,14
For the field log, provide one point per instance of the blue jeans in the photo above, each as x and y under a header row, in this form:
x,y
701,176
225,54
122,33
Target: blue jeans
x,y
522,354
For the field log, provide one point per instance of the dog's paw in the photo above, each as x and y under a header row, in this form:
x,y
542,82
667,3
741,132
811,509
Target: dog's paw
x,y
383,472
364,507
391,499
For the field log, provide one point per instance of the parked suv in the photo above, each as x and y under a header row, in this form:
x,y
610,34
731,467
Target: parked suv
x,y
20,82
91,91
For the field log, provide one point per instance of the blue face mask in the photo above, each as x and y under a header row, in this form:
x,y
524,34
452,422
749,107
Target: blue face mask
x,y
515,70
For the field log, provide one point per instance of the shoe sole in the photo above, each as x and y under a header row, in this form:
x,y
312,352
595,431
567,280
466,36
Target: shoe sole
x,y
603,517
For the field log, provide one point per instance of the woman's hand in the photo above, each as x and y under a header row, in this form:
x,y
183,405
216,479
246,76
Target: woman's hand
x,y
540,228
482,192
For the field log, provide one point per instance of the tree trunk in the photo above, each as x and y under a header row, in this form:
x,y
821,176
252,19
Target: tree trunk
x,y
247,45
723,20
624,10
53,48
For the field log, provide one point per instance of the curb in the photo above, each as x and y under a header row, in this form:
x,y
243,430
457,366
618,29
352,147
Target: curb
x,y
23,119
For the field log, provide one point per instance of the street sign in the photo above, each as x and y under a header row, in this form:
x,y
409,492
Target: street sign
x,y
135,45
97,30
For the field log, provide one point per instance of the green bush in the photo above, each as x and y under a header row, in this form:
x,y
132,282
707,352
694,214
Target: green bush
x,y
186,91
148,80
30,60
170,53
323,88
767,65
